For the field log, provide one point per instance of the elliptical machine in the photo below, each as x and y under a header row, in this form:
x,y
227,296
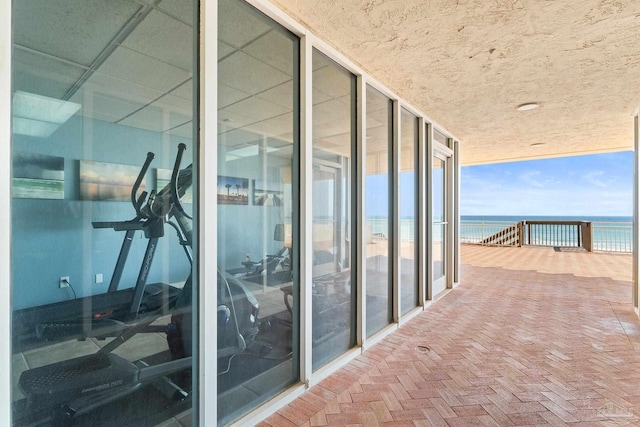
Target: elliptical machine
x,y
60,392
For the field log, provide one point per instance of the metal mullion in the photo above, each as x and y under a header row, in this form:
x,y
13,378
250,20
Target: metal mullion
x,y
450,199
428,131
206,394
361,253
456,210
422,213
395,150
636,212
306,209
5,208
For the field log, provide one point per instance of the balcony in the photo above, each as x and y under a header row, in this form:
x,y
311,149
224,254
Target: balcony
x,y
531,336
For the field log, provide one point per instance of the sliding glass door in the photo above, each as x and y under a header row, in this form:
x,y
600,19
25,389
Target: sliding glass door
x,y
440,224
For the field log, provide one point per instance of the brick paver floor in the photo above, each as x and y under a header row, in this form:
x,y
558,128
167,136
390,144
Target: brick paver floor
x,y
531,337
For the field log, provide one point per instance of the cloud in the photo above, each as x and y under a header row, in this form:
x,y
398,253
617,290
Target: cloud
x,y
599,179
532,178
590,185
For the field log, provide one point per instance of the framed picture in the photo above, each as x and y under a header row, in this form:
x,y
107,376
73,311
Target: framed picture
x,y
36,176
267,193
107,181
163,178
233,191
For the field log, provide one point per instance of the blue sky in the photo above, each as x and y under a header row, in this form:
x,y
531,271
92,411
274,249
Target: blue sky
x,y
591,185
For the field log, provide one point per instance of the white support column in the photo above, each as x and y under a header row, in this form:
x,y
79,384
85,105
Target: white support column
x,y
306,209
361,223
5,211
396,265
456,215
423,269
429,209
207,236
636,214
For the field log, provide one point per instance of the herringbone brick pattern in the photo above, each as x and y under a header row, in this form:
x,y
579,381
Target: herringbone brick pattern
x,y
518,343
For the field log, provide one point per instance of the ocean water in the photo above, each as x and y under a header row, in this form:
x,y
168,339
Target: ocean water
x,y
610,233
597,219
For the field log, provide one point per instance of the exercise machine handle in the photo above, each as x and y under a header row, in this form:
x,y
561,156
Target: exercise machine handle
x,y
137,203
174,180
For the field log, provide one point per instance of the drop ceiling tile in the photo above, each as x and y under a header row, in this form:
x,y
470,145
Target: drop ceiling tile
x,y
185,130
130,92
175,104
319,96
377,144
231,12
228,95
376,119
245,73
165,113
106,107
337,144
331,118
163,38
333,81
181,9
232,120
76,30
185,90
224,50
280,127
319,60
133,67
275,49
257,109
232,139
42,75
281,95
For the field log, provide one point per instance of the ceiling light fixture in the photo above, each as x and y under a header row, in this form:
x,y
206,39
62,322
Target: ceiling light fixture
x,y
528,106
40,116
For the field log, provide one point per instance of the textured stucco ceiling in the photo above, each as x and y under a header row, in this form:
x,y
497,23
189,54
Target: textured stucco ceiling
x,y
468,63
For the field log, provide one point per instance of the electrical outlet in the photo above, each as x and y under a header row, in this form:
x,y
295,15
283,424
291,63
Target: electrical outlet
x,y
64,281
99,278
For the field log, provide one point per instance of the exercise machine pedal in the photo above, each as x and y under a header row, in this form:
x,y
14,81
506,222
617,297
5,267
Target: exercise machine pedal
x,y
52,385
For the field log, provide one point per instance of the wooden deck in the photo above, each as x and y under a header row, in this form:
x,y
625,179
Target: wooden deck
x,y
531,337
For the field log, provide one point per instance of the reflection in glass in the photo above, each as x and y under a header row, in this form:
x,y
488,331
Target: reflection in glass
x,y
102,148
440,137
408,211
378,211
333,137
257,144
439,224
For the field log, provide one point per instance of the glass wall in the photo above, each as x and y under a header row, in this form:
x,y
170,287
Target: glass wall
x,y
333,300
378,211
408,211
258,93
102,211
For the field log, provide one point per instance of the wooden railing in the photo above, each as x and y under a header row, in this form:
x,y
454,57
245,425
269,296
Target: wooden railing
x,y
485,232
508,236
562,234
